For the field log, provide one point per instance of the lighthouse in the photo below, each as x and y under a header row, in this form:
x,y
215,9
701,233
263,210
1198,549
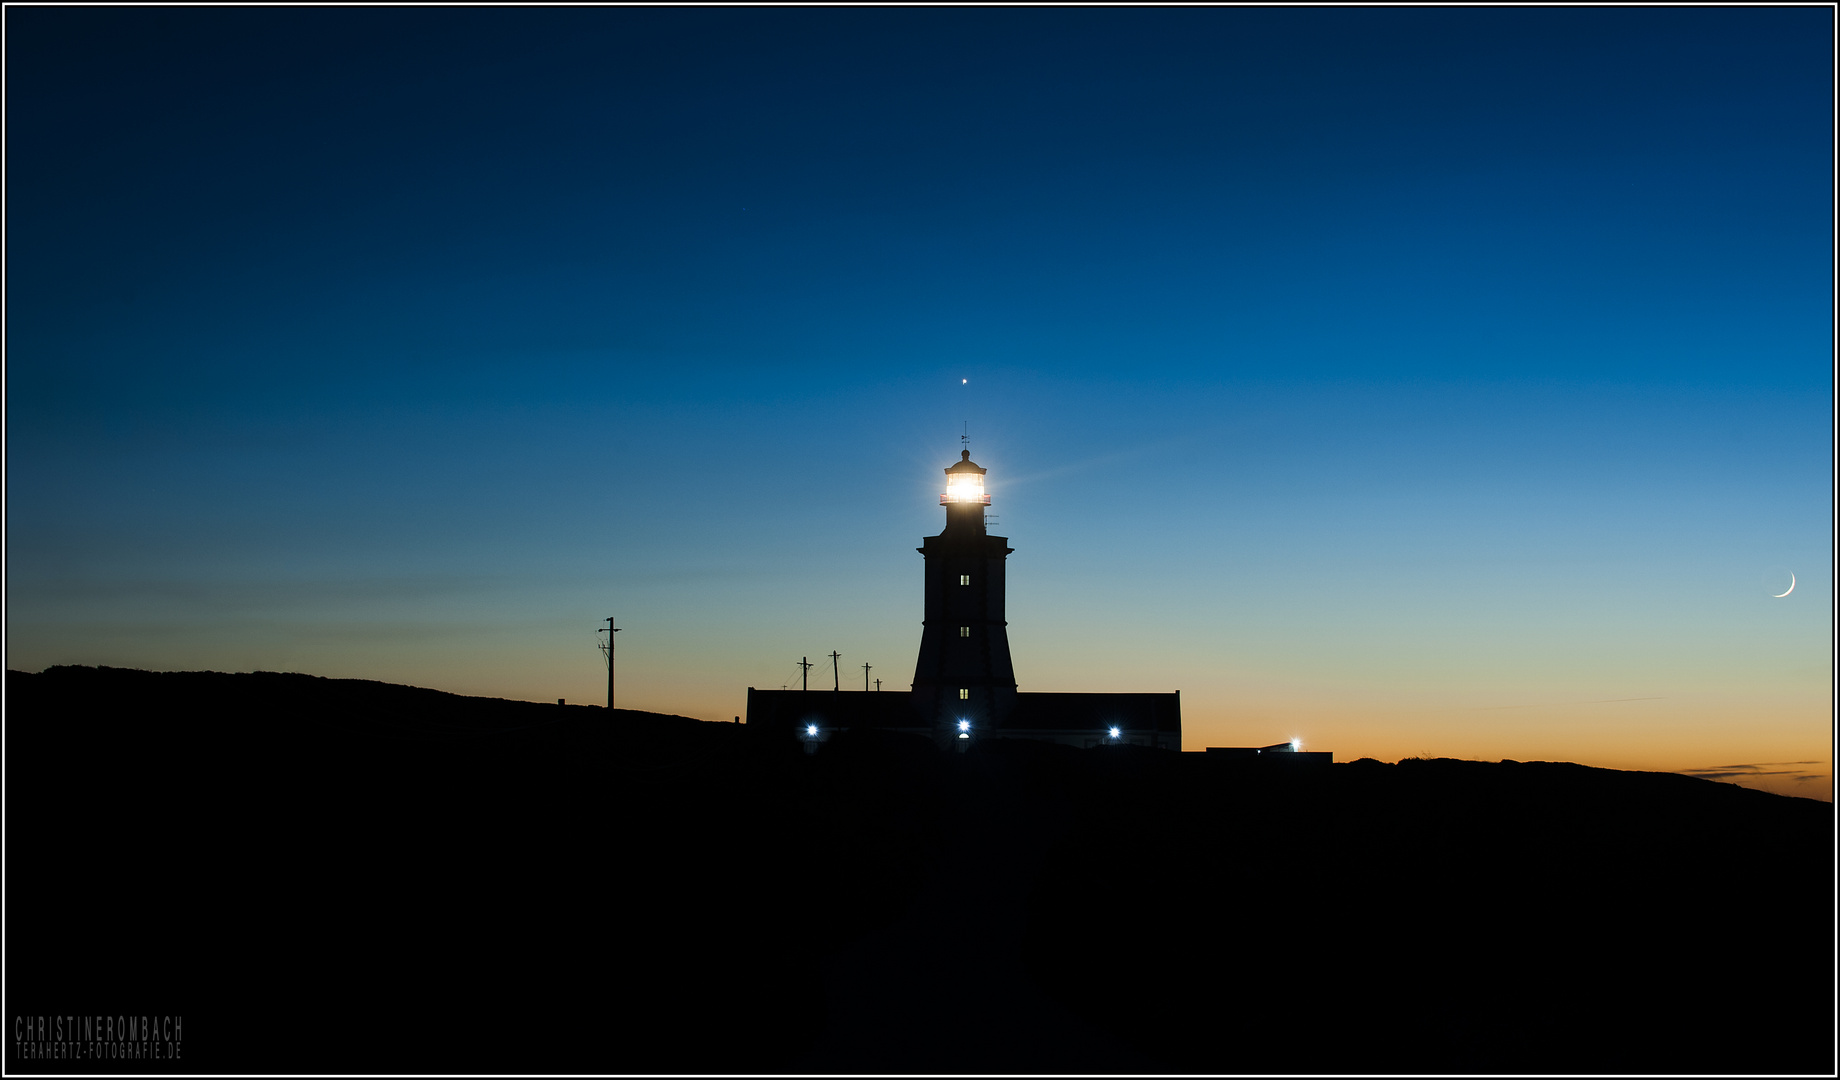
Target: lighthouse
x,y
964,688
964,684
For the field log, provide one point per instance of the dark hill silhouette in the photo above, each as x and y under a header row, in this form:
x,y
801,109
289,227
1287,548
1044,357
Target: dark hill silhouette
x,y
342,876
1448,916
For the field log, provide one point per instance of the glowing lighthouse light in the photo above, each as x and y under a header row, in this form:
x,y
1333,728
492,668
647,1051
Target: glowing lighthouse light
x,y
811,729
964,483
966,487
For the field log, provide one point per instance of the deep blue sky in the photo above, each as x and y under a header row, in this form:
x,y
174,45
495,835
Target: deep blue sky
x,y
1339,367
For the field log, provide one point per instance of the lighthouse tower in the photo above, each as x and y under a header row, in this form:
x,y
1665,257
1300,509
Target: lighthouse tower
x,y
964,684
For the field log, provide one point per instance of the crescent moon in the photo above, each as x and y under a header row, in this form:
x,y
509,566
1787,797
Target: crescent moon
x,y
1787,591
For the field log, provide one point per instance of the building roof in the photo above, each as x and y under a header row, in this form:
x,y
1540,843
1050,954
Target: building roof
x,y
965,464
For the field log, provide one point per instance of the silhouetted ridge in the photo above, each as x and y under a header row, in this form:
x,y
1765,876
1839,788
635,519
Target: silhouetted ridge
x,y
479,885
269,698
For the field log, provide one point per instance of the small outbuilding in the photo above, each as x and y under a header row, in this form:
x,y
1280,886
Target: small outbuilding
x,y
1284,755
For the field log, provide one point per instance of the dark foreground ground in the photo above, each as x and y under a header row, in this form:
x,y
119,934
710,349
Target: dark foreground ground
x,y
338,876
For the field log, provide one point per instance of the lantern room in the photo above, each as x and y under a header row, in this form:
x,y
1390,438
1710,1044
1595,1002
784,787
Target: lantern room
x,y
964,483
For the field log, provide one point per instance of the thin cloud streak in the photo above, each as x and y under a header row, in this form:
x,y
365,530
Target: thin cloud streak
x,y
1562,704
1090,464
1758,769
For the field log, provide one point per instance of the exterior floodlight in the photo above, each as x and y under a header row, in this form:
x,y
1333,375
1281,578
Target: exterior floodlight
x,y
964,725
1114,733
811,729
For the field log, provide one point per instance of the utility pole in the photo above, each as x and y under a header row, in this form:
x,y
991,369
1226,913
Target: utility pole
x,y
607,651
836,680
804,671
878,685
865,678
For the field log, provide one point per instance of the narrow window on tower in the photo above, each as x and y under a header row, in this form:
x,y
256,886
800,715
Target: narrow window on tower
x,y
964,579
964,695
964,631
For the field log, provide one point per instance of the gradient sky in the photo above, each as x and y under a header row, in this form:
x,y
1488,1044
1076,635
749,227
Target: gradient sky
x,y
1454,382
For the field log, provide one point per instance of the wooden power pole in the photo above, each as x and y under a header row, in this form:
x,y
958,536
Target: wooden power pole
x,y
607,648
